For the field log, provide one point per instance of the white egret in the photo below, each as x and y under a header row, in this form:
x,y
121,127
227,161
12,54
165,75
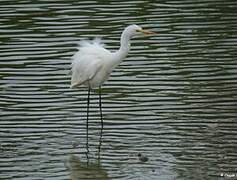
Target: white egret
x,y
92,64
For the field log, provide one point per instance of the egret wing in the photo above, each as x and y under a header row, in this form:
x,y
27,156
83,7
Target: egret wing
x,y
84,68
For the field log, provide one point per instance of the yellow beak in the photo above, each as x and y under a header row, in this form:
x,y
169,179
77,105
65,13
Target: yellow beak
x,y
146,32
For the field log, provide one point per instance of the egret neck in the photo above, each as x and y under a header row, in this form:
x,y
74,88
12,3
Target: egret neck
x,y
124,48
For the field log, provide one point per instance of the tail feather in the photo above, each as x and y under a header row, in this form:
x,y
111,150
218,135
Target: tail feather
x,y
98,41
86,43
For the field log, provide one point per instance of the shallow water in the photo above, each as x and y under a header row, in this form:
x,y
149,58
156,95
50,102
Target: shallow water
x,y
173,99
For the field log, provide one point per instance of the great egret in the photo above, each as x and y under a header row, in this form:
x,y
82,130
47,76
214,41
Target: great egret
x,y
92,64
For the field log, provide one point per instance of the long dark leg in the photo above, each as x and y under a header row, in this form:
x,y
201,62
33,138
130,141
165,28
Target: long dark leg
x,y
101,115
102,123
87,124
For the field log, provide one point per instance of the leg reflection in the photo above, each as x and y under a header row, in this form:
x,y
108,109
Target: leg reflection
x,y
80,170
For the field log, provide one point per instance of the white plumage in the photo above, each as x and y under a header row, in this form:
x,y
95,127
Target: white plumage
x,y
89,64
92,64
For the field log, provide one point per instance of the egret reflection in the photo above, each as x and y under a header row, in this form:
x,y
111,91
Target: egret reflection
x,y
83,170
87,169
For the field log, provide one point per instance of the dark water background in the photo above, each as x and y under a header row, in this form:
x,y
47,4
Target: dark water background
x,y
174,98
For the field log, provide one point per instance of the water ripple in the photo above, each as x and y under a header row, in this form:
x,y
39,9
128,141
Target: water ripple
x,y
173,99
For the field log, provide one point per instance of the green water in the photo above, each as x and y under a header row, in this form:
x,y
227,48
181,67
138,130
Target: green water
x,y
173,99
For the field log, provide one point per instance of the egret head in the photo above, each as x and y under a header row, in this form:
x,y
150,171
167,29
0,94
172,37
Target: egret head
x,y
134,30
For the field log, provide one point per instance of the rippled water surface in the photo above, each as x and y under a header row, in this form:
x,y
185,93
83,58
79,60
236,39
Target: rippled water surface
x,y
173,99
